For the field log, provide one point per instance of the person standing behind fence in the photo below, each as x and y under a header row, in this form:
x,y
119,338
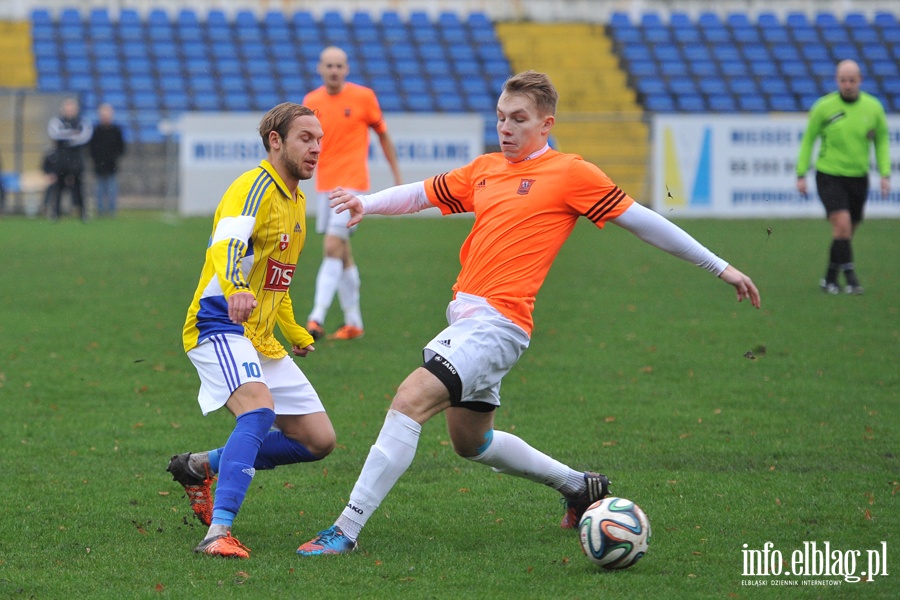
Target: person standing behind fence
x,y
346,111
106,148
69,132
847,121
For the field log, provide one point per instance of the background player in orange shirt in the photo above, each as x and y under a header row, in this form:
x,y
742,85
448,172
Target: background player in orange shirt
x,y
526,200
346,111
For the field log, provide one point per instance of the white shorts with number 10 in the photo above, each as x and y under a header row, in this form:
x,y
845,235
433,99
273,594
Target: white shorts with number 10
x,y
225,362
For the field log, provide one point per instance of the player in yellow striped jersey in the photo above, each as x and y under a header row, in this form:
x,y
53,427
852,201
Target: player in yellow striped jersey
x,y
258,233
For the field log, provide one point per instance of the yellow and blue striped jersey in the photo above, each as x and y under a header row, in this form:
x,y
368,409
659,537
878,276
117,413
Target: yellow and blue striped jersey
x,y
258,233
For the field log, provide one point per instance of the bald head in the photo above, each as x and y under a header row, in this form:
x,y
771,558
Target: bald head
x,y
333,68
849,78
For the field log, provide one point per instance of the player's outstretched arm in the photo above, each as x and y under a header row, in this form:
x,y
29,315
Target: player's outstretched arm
x,y
743,285
342,200
398,200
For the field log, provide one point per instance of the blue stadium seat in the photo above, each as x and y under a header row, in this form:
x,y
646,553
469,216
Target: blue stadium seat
x,y
690,103
695,52
794,68
727,51
175,101
651,86
480,103
721,103
652,19
703,68
450,103
414,85
673,68
656,34
41,16
446,84
844,51
777,35
754,103
643,68
804,86
805,35
683,86
713,86
659,104
716,34
865,35
619,19
813,52
884,68
763,69
782,103
666,52
786,52
687,35
743,86
734,68
50,82
420,102
467,68
390,102
637,52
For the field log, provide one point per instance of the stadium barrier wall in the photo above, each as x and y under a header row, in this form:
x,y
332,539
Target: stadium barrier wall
x,y
214,148
744,166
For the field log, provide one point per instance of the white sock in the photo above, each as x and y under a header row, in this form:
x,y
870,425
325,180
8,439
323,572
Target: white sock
x,y
327,280
511,455
388,459
348,295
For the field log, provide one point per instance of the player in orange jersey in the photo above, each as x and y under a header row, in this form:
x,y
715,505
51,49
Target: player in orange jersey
x,y
526,199
346,111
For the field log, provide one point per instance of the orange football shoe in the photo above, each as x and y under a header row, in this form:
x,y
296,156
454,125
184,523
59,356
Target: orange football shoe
x,y
347,332
315,329
223,545
197,488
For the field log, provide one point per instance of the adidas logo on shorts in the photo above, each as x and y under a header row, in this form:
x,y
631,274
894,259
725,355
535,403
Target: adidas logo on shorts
x,y
444,343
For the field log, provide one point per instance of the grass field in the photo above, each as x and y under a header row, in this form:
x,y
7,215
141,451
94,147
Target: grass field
x,y
638,367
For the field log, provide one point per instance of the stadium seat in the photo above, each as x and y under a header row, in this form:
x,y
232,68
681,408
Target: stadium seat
x,y
420,102
782,103
659,104
682,86
713,86
390,102
651,86
743,86
703,68
690,103
754,103
722,103
450,103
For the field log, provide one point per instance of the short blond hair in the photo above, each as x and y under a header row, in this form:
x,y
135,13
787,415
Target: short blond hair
x,y
537,87
279,120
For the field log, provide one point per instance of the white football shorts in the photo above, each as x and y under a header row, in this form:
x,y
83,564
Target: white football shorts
x,y
330,222
225,362
481,344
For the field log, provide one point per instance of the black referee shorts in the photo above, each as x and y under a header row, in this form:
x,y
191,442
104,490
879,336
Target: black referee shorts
x,y
843,193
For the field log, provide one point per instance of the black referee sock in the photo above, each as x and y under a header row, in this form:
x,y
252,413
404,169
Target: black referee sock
x,y
841,259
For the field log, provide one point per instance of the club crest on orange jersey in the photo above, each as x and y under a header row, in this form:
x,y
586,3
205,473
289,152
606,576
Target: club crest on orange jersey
x,y
525,186
284,240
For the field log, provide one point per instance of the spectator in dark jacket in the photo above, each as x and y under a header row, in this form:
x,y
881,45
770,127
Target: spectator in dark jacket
x,y
106,147
70,133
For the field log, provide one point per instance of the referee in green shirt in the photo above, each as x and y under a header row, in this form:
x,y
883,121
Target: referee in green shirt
x,y
847,121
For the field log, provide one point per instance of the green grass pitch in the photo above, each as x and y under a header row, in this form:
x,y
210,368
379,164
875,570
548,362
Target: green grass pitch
x,y
727,425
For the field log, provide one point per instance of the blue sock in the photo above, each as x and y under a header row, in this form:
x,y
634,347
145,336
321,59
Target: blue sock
x,y
214,456
278,449
236,463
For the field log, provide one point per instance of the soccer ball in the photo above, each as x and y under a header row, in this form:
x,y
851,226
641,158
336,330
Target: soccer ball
x,y
614,533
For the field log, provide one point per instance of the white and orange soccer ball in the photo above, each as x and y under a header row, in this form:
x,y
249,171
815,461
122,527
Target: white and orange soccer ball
x,y
614,533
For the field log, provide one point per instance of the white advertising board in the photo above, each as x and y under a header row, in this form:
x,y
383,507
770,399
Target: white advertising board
x,y
744,166
214,148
